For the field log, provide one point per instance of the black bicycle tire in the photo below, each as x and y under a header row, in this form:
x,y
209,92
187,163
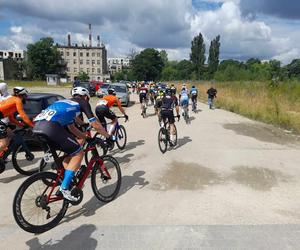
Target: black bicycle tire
x,y
114,194
16,165
162,131
175,142
122,128
26,226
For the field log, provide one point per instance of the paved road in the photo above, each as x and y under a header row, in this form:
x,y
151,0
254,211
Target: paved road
x,y
231,183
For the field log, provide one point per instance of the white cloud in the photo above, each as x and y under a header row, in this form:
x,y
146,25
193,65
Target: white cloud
x,y
16,29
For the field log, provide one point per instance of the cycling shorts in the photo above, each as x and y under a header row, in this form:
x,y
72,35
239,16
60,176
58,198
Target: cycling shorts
x,y
102,112
143,97
194,98
167,114
58,136
184,102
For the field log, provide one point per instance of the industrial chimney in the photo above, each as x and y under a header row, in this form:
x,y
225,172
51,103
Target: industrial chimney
x,y
98,41
69,40
90,34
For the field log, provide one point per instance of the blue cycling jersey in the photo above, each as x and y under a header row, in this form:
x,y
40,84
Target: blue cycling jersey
x,y
64,112
194,91
184,95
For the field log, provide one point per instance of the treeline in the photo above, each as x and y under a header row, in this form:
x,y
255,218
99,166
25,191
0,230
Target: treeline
x,y
151,64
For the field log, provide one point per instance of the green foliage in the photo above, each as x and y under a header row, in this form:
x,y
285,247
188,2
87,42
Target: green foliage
x,y
43,58
197,55
293,69
125,74
83,76
147,65
213,58
164,56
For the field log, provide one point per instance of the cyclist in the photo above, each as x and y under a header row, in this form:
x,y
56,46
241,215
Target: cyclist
x,y
103,109
184,99
160,95
212,94
8,108
143,94
57,123
168,103
194,95
173,89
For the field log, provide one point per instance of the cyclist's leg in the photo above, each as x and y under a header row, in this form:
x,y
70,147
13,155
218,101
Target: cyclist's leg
x,y
4,138
171,120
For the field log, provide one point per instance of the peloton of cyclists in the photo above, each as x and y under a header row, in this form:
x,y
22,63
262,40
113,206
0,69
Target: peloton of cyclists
x,y
143,95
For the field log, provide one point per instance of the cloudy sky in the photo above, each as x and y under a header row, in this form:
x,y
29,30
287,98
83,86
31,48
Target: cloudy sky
x,y
267,29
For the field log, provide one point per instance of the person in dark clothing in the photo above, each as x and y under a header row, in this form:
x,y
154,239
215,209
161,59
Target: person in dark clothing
x,y
212,94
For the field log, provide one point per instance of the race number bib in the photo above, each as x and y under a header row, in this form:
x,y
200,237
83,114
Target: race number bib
x,y
143,91
45,115
102,102
194,92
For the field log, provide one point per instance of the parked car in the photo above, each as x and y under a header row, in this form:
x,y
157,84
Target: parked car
x,y
104,88
122,92
96,85
36,102
86,85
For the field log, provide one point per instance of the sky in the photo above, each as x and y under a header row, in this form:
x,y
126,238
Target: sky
x,y
265,29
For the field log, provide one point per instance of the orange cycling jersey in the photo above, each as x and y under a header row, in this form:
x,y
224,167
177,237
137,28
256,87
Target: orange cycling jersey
x,y
111,100
12,105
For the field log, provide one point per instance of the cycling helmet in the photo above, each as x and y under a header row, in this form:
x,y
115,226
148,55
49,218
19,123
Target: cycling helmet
x,y
99,93
80,91
111,91
168,91
20,91
193,86
3,89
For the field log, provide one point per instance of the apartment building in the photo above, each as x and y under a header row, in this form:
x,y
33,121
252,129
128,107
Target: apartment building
x,y
87,58
117,64
10,64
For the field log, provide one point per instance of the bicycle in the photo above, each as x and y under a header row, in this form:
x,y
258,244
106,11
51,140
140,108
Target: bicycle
x,y
121,139
164,137
21,152
194,105
144,108
185,114
47,206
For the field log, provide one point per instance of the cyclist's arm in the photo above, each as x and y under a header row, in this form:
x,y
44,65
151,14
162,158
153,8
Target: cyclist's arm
x,y
13,120
22,113
87,109
75,131
120,106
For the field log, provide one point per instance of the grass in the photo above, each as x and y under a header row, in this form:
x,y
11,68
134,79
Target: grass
x,y
278,105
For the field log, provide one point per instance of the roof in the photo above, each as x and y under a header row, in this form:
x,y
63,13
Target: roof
x,y
36,96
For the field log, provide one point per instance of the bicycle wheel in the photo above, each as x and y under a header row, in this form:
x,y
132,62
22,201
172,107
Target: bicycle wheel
x,y
121,137
162,140
31,209
27,163
89,154
106,178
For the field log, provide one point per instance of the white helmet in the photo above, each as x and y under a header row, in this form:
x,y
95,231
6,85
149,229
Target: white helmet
x,y
99,93
20,91
80,91
3,89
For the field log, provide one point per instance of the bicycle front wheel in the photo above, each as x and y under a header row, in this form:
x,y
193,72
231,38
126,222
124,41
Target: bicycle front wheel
x,y
106,178
121,137
102,150
32,209
162,140
26,162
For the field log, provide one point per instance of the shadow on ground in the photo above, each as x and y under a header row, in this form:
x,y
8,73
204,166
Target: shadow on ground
x,y
91,206
80,238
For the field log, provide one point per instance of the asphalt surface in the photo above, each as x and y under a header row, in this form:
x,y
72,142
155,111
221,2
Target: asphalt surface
x,y
231,183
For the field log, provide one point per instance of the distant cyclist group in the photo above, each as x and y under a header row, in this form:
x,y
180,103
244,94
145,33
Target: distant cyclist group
x,y
62,126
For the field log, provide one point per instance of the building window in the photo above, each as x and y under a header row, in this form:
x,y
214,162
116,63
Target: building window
x,y
81,61
93,54
68,53
87,70
87,62
98,54
62,53
93,62
98,70
68,69
93,70
81,54
75,70
87,54
74,61
74,53
98,62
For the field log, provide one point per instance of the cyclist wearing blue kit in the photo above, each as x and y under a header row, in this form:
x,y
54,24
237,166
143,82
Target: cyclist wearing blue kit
x,y
194,95
57,123
184,98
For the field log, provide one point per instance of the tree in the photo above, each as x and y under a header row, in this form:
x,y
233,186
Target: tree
x,y
83,76
294,68
197,54
184,70
43,58
147,65
164,56
213,58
